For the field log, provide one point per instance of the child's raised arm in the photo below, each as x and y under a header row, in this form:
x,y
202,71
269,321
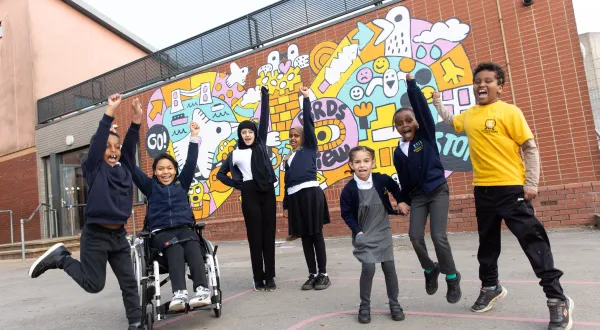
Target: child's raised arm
x,y
447,117
187,173
98,143
132,137
310,139
265,111
420,107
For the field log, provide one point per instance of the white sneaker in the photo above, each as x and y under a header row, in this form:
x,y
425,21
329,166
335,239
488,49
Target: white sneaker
x,y
201,298
180,298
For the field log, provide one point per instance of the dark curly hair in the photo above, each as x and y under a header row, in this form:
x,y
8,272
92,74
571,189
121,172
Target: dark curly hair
x,y
490,66
165,156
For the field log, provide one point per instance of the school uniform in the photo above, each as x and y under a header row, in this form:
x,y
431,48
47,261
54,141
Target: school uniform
x,y
424,187
365,206
110,192
170,216
305,200
252,173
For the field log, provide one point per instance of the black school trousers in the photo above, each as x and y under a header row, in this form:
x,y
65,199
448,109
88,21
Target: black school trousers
x,y
259,215
98,246
492,204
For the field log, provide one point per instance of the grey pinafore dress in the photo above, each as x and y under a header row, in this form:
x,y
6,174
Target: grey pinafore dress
x,y
375,244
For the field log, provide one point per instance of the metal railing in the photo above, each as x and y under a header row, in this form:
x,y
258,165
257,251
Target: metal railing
x,y
12,239
22,221
248,32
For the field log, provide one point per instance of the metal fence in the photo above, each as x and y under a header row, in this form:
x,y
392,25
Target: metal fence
x,y
270,23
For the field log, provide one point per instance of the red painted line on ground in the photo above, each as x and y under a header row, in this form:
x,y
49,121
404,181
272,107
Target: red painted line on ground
x,y
163,323
301,324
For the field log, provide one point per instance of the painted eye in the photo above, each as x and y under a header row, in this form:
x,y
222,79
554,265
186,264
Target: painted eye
x,y
330,133
198,190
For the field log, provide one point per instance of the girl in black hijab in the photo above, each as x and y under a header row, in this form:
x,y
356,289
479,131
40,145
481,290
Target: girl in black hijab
x,y
252,173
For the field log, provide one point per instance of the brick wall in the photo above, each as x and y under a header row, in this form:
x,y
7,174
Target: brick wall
x,y
546,80
18,192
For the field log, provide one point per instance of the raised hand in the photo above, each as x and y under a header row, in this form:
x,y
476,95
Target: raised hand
x,y
304,91
436,96
136,106
113,128
264,89
409,77
194,129
113,102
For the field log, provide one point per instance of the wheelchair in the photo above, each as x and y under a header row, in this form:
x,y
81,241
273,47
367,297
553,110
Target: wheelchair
x,y
149,265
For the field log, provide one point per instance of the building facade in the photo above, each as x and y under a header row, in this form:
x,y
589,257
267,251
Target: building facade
x,y
356,67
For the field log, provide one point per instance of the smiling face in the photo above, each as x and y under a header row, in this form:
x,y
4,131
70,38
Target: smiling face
x,y
112,154
381,64
406,124
486,87
295,139
248,136
362,162
165,171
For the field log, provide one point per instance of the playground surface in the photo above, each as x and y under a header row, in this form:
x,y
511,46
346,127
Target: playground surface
x,y
54,301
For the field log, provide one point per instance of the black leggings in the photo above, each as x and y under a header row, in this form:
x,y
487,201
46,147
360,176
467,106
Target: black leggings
x,y
315,244
260,218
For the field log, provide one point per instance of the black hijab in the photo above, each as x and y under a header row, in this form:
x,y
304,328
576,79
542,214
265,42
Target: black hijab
x,y
258,165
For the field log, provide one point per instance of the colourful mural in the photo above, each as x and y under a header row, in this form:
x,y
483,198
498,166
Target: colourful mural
x,y
360,82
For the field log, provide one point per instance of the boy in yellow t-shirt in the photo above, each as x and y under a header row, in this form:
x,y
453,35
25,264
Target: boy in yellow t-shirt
x,y
504,188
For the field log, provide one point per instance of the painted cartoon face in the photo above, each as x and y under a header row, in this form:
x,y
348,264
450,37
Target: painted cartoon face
x,y
364,75
357,93
390,83
381,64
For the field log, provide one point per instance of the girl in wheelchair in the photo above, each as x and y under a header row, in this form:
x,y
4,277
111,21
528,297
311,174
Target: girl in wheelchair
x,y
170,220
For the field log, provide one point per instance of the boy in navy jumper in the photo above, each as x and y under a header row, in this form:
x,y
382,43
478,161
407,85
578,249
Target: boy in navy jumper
x,y
424,188
108,173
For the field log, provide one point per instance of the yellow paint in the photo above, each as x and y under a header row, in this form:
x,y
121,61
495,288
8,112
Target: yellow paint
x,y
453,69
381,64
334,89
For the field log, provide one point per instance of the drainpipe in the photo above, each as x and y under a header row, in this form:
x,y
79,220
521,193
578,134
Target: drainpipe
x,y
501,20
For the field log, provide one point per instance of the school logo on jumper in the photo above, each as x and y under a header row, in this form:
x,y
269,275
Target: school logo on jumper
x,y
490,125
418,146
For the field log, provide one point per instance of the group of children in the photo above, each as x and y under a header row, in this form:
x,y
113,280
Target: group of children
x,y
503,189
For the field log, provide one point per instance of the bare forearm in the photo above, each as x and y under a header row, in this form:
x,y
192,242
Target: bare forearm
x,y
531,157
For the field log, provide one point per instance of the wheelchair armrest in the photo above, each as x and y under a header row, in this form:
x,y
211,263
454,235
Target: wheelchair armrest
x,y
145,234
199,226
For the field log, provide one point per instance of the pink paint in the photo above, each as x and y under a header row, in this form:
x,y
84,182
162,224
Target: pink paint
x,y
447,315
284,66
463,97
157,95
417,26
323,87
447,95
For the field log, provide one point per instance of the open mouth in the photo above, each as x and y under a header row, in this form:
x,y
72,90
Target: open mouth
x,y
165,178
482,92
390,83
112,159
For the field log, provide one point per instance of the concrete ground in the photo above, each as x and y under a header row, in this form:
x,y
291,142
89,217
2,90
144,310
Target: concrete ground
x,y
54,301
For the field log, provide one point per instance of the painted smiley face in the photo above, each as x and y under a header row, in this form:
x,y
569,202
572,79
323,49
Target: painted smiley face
x,y
364,75
381,64
357,93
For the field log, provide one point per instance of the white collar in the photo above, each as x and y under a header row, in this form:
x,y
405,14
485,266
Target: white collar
x,y
364,184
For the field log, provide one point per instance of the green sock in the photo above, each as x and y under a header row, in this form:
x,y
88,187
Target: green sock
x,y
428,271
450,277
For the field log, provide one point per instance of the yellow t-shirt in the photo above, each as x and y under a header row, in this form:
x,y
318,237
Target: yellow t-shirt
x,y
495,132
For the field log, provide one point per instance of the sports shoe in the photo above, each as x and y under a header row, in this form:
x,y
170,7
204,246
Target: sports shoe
x,y
364,315
270,285
180,298
201,298
454,293
397,313
136,326
322,282
51,259
310,283
488,298
560,314
259,286
431,279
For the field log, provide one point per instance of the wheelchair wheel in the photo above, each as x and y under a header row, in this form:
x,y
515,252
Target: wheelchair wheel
x,y
149,324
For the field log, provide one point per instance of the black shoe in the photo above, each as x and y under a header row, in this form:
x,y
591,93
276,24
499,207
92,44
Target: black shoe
x,y
397,314
52,259
322,282
454,293
431,280
560,314
270,285
136,326
310,283
488,298
364,316
259,286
